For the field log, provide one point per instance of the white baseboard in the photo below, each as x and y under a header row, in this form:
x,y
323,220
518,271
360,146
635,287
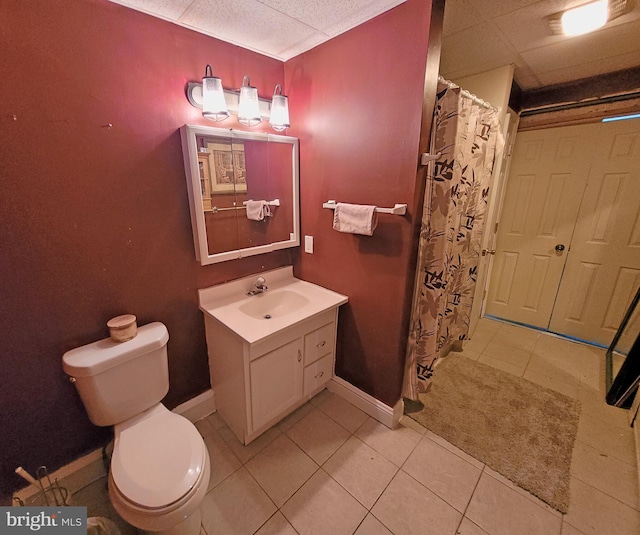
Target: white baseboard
x,y
389,416
199,407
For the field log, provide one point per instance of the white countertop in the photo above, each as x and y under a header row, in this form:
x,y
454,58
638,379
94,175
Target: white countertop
x,y
224,301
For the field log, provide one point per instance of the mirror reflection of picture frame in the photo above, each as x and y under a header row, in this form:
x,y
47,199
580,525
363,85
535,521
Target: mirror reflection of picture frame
x,y
227,168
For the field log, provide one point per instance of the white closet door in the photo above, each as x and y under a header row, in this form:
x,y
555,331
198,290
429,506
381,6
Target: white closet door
x,y
547,179
603,266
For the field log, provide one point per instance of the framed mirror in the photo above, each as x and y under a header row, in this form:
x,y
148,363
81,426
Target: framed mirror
x,y
243,192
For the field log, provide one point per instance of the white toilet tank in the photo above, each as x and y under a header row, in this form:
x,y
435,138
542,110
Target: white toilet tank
x,y
119,380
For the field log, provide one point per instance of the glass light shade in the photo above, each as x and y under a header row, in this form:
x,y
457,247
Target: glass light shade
x,y
214,107
586,18
279,117
248,105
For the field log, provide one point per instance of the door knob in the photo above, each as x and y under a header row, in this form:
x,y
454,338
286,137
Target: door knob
x,y
485,252
559,247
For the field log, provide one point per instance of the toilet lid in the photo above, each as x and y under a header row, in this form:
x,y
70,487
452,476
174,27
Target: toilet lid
x,y
157,459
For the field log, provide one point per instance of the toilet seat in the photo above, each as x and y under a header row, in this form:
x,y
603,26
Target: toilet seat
x,y
158,458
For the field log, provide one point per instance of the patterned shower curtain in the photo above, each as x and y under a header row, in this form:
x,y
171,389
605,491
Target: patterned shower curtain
x,y
467,137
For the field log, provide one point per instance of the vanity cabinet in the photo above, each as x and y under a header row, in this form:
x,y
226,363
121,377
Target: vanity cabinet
x,y
257,384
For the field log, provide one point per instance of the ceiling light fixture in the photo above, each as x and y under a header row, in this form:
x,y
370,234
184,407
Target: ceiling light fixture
x,y
587,17
279,117
248,107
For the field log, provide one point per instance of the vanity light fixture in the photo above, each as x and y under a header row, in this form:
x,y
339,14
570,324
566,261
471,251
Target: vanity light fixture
x,y
279,117
217,103
214,106
587,17
248,106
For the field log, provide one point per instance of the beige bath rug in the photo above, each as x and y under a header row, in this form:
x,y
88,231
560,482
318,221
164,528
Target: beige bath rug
x,y
521,430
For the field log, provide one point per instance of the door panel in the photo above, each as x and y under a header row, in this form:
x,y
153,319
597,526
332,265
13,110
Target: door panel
x,y
547,179
603,267
496,197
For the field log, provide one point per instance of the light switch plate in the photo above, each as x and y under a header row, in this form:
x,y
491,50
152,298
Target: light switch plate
x,y
308,244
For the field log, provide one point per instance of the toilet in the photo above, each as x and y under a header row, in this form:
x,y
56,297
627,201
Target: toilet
x,y
160,465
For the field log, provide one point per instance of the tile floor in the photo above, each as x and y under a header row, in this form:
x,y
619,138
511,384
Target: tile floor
x,y
330,469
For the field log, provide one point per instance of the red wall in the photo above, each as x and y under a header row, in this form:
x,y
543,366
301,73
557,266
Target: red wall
x,y
95,220
356,107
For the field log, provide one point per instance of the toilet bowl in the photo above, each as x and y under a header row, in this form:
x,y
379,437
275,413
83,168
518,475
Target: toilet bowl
x,y
160,465
159,472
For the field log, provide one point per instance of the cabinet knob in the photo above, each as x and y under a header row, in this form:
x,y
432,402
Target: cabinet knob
x,y
321,344
319,375
299,355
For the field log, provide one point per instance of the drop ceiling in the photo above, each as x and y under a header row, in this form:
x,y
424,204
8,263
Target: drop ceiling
x,y
280,29
479,35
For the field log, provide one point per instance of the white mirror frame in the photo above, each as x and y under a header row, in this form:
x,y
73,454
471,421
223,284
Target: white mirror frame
x,y
188,135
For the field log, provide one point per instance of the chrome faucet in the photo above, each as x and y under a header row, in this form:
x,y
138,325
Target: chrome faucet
x,y
260,287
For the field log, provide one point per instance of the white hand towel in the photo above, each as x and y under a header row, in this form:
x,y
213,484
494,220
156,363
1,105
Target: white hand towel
x,y
355,218
258,210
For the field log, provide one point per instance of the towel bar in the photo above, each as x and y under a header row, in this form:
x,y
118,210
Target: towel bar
x,y
274,202
398,209
215,209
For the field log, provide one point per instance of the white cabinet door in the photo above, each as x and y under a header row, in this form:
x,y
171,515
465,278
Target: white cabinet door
x,y
276,382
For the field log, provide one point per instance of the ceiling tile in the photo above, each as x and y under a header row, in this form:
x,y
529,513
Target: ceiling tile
x,y
590,48
299,47
586,70
526,79
375,8
247,23
460,15
491,8
473,49
166,9
529,27
332,16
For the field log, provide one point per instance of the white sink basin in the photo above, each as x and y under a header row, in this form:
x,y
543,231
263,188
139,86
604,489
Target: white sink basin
x,y
269,305
253,317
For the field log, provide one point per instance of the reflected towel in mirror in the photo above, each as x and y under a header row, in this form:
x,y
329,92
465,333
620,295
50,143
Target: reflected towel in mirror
x,y
257,210
355,218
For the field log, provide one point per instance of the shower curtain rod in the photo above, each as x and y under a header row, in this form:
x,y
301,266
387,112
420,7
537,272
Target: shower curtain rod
x,y
466,93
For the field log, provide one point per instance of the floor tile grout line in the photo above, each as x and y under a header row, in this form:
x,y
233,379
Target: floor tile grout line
x,y
634,508
606,453
464,514
398,469
318,466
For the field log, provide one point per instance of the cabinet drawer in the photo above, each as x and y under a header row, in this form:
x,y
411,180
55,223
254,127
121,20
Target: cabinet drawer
x,y
319,343
318,373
